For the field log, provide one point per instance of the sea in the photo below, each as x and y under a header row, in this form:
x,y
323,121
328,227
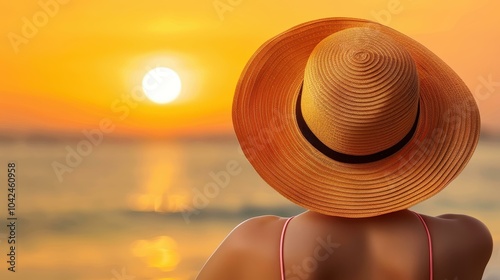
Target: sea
x,y
122,210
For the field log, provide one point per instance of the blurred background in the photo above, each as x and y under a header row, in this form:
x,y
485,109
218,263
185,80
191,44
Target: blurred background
x,y
113,183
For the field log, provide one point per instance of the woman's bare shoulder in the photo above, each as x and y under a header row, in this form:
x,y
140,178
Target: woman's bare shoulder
x,y
258,222
466,238
467,227
463,227
250,239
255,231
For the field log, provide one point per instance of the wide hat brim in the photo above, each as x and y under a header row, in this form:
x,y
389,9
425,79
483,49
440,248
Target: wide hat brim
x,y
264,119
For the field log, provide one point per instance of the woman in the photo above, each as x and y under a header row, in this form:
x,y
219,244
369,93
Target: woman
x,y
355,122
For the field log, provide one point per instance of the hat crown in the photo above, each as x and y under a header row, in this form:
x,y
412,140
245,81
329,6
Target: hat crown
x,y
360,92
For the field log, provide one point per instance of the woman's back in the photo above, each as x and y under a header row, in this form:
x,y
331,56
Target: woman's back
x,y
392,246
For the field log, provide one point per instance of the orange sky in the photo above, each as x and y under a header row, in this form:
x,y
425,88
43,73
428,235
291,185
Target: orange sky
x,y
67,66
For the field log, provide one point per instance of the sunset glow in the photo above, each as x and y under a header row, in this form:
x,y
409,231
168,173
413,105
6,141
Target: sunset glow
x,y
65,65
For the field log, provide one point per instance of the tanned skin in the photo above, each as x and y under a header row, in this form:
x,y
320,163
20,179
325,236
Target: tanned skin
x,y
318,247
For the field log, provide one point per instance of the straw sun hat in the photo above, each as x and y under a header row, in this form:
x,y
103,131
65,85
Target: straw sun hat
x,y
350,118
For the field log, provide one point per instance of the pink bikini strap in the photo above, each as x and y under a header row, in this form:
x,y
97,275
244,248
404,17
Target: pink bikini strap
x,y
282,262
430,244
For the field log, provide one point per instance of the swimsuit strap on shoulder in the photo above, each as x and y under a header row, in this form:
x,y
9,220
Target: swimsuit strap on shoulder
x,y
429,242
282,262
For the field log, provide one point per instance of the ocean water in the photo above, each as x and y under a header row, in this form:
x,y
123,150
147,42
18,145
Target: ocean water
x,y
157,210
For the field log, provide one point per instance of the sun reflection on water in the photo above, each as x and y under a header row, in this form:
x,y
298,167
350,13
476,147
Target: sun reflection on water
x,y
159,252
162,188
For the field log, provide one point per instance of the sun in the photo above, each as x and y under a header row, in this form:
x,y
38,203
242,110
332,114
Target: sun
x,y
162,85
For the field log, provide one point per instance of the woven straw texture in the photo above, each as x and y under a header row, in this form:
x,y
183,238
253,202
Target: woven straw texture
x,y
360,87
